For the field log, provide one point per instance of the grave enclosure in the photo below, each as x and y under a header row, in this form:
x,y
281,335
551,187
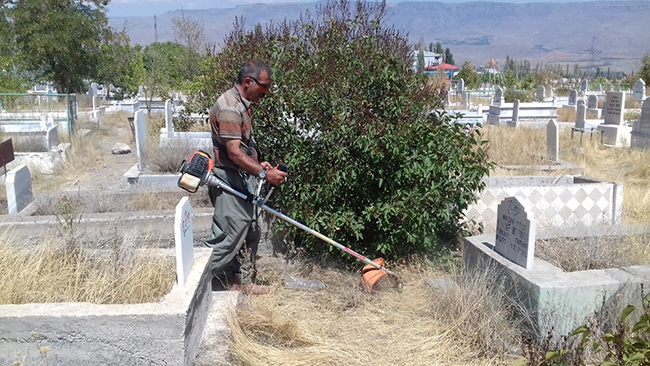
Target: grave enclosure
x,y
556,301
169,332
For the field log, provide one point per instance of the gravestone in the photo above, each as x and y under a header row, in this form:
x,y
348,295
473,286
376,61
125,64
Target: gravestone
x,y
6,153
642,126
93,89
460,87
592,107
19,189
515,111
638,91
615,108
52,137
584,85
541,92
553,140
573,97
141,91
93,94
498,97
494,115
615,132
592,102
581,114
515,236
140,127
641,130
184,239
169,125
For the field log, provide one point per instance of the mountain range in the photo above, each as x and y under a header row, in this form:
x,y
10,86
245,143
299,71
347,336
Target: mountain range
x,y
609,34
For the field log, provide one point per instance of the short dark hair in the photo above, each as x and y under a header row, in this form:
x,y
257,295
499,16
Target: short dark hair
x,y
252,68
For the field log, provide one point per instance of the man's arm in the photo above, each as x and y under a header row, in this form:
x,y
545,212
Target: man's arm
x,y
250,166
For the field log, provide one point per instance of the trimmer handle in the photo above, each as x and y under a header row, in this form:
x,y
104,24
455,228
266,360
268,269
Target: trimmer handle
x,y
283,168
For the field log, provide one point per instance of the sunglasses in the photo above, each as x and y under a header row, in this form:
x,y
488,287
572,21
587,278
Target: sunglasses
x,y
265,86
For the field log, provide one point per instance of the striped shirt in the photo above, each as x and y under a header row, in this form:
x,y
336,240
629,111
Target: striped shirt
x,y
230,119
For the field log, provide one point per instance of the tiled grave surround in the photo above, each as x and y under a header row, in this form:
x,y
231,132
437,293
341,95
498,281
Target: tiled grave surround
x,y
560,202
164,333
558,301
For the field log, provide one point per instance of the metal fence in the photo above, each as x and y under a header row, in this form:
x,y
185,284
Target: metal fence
x,y
22,109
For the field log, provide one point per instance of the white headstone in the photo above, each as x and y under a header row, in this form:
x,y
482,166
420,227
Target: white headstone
x,y
515,111
592,102
460,87
642,126
638,91
498,97
553,140
515,237
541,92
584,85
141,91
93,89
52,137
581,114
615,109
19,189
169,125
184,238
573,97
140,122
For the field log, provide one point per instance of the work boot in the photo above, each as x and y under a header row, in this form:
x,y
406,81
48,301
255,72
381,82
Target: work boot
x,y
248,288
251,289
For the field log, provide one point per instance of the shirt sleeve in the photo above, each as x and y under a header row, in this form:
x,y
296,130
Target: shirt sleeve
x,y
229,123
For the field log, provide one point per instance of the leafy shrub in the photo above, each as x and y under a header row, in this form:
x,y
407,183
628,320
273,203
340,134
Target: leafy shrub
x,y
369,164
625,343
510,95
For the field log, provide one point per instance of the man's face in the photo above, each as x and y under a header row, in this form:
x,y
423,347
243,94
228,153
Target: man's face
x,y
258,87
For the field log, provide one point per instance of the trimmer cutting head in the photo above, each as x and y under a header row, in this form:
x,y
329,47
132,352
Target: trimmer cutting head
x,y
370,275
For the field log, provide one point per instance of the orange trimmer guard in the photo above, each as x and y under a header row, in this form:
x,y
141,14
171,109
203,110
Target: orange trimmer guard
x,y
370,274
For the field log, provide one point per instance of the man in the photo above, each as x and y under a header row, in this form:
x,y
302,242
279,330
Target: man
x,y
235,223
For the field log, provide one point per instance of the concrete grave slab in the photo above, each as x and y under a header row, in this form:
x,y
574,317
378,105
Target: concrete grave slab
x,y
164,333
553,298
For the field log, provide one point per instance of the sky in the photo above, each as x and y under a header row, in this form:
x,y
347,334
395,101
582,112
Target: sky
x,y
130,8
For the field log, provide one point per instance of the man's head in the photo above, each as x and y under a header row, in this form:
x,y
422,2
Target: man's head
x,y
254,79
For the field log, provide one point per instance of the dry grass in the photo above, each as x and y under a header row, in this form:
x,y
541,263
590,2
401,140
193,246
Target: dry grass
x,y
581,254
516,146
342,325
53,272
566,115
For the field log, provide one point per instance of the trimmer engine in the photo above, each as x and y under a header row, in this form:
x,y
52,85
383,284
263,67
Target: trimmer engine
x,y
194,172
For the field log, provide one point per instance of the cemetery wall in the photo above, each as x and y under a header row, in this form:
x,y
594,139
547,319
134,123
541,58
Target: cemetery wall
x,y
555,202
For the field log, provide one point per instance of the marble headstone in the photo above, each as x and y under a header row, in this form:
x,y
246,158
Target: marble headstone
x,y
515,236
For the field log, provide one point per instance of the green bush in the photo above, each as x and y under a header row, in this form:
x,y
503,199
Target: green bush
x,y
369,165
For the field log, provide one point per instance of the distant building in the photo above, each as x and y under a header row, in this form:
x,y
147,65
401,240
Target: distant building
x,y
430,59
449,70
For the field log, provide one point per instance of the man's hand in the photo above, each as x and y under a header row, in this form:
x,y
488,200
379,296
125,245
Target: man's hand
x,y
274,175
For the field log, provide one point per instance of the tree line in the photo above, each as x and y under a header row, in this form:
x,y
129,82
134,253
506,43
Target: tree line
x,y
69,43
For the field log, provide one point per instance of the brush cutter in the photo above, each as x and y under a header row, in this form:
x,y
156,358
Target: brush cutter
x,y
197,171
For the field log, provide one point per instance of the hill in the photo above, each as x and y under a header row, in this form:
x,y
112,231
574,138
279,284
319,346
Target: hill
x,y
474,31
